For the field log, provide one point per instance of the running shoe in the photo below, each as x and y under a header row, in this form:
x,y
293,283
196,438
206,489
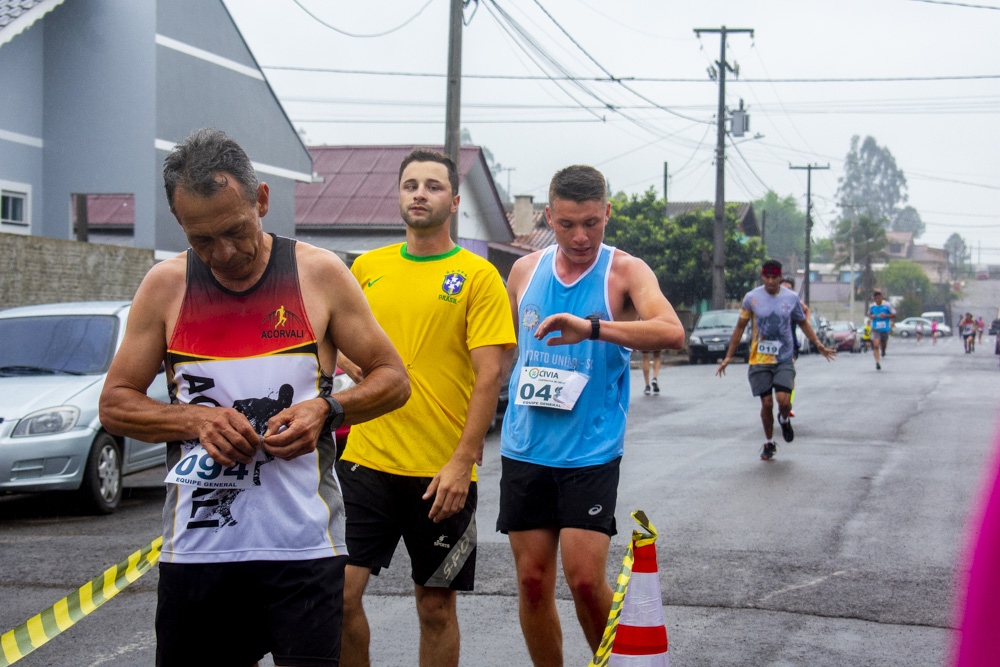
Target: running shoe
x,y
878,366
646,390
656,387
787,432
767,453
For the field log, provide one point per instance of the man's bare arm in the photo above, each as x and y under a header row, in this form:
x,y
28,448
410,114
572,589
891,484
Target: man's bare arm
x,y
450,485
124,407
658,327
734,341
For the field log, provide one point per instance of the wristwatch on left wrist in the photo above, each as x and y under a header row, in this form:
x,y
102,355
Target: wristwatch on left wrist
x,y
595,326
336,417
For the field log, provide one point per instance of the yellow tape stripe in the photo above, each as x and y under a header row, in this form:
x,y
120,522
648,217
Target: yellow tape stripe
x,y
43,627
603,654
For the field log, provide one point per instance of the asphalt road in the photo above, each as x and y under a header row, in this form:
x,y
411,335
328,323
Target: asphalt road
x,y
842,550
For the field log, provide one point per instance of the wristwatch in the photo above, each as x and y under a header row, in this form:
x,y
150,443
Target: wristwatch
x,y
336,417
595,326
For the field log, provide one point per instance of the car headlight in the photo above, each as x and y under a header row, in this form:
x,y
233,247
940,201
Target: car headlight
x,y
47,422
694,340
342,382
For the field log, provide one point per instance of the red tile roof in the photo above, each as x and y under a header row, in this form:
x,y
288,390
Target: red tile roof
x,y
359,187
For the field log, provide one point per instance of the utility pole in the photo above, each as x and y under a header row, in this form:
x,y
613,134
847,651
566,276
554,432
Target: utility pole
x,y
510,195
719,236
666,202
453,104
809,224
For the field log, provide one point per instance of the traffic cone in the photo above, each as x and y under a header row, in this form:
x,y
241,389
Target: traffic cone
x,y
635,635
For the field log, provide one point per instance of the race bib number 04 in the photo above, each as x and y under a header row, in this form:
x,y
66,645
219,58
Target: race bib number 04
x,y
549,387
769,347
197,468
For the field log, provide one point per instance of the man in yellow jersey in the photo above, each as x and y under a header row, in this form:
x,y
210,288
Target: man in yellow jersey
x,y
411,473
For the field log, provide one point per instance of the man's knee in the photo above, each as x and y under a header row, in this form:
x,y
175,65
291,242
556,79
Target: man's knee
x,y
436,607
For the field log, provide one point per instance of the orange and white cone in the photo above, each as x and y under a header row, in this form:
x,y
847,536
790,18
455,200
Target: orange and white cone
x,y
635,635
641,638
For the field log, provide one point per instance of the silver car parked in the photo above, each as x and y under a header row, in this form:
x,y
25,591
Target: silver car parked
x,y
53,362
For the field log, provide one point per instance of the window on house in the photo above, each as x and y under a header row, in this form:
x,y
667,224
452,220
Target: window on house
x,y
13,207
895,248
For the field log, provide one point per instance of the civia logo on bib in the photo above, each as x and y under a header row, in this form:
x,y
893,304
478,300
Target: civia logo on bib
x,y
282,323
452,286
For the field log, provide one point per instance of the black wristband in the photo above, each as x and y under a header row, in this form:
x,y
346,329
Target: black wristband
x,y
595,326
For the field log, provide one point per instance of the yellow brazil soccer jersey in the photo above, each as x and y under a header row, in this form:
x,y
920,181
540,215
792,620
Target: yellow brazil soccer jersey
x,y
435,310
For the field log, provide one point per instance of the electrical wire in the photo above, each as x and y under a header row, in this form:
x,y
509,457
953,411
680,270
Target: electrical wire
x,y
351,34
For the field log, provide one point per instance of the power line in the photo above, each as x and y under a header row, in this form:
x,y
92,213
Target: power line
x,y
631,79
351,34
956,4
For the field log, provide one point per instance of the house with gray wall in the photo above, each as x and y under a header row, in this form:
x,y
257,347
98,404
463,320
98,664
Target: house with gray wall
x,y
93,93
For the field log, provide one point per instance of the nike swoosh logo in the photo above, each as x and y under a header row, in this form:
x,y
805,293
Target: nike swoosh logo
x,y
372,282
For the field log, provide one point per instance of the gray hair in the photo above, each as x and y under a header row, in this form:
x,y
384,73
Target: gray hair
x,y
200,163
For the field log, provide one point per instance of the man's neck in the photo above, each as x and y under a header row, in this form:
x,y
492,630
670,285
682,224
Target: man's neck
x,y
427,242
569,271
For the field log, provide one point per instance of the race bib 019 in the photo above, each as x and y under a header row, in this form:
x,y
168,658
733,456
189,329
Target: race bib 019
x,y
769,347
549,387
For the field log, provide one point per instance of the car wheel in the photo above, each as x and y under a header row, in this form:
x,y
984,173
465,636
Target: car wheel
x,y
102,477
693,360
904,334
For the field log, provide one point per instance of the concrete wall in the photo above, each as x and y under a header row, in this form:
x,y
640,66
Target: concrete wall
x,y
35,269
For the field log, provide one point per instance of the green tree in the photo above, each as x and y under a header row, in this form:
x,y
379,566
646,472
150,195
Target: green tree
x,y
905,278
957,252
680,250
822,251
908,220
785,226
872,184
869,247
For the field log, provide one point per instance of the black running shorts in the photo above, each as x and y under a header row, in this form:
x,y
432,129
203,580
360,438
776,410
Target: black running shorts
x,y
236,613
382,507
535,496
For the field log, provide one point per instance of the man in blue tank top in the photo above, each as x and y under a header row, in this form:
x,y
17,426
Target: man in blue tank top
x,y
564,432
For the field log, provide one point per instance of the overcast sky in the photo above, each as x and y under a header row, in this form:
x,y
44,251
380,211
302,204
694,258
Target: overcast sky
x,y
943,128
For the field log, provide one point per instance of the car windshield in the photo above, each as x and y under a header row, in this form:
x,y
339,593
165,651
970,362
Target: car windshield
x,y
74,344
718,318
841,326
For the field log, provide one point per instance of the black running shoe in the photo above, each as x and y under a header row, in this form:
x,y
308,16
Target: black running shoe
x,y
787,432
878,366
656,387
646,390
767,453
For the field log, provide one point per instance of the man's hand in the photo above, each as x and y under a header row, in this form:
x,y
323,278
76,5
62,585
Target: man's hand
x,y
450,487
721,370
228,437
572,329
295,430
826,352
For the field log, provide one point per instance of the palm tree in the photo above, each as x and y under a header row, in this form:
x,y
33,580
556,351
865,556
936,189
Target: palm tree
x,y
869,246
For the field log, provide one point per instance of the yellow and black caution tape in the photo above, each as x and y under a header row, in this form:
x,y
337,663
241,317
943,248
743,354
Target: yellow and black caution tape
x,y
639,539
39,629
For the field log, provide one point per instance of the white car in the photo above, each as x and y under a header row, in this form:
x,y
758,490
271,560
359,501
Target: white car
x,y
53,363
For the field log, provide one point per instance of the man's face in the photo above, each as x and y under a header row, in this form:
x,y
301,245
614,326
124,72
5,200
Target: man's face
x,y
579,227
425,197
224,230
772,282
878,299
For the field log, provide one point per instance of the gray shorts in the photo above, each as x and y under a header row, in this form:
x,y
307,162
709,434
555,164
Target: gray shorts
x,y
880,335
766,377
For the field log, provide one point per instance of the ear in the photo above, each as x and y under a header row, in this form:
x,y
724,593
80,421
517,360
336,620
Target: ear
x,y
454,202
607,212
263,199
548,216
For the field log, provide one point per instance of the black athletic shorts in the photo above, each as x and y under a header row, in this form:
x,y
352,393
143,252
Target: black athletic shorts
x,y
535,496
382,507
236,613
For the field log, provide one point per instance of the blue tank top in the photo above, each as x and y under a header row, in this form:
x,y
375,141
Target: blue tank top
x,y
593,432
